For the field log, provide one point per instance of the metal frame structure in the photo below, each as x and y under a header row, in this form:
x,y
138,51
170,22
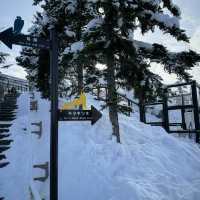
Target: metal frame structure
x,y
143,113
194,106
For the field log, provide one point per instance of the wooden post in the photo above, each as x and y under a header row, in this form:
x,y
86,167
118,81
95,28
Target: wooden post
x,y
44,167
33,105
39,132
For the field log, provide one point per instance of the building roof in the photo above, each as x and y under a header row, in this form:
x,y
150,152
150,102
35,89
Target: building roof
x,y
4,76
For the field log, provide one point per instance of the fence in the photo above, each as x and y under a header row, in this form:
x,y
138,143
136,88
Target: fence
x,y
101,92
178,112
180,109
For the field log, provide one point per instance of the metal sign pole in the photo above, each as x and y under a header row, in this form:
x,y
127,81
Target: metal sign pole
x,y
54,116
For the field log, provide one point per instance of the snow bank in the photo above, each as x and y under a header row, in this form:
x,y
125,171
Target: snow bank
x,y
148,165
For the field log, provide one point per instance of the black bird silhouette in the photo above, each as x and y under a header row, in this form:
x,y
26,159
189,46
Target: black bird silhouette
x,y
18,25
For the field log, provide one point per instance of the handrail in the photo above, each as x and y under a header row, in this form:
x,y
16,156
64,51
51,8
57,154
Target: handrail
x,y
154,104
180,84
121,95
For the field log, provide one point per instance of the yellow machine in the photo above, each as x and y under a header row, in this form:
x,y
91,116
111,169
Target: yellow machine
x,y
77,103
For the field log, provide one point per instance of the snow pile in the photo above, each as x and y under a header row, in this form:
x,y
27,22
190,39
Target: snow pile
x,y
69,33
74,48
93,24
148,165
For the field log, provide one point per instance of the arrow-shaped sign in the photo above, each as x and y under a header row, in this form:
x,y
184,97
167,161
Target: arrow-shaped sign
x,y
8,37
92,115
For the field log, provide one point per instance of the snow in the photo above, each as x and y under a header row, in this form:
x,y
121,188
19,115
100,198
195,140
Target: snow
x,y
34,191
158,2
74,48
94,23
154,2
69,33
148,165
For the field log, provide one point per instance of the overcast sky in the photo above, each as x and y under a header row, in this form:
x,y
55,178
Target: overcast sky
x,y
190,22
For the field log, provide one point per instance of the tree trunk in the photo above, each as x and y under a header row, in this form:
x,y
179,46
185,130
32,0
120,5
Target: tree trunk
x,y
80,78
112,100
80,65
112,97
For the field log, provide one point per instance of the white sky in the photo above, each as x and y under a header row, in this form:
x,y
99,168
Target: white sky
x,y
190,22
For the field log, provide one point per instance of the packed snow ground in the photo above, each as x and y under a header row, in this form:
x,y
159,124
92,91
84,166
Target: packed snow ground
x,y
148,165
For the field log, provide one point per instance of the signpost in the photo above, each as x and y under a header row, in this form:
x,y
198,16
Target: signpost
x,y
92,115
10,37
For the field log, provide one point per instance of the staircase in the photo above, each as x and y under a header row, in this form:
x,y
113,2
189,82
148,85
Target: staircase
x,y
7,115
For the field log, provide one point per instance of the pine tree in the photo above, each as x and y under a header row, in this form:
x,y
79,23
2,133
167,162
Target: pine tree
x,y
68,17
36,61
78,17
109,40
102,31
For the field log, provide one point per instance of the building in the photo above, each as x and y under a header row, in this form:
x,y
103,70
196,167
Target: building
x,y
7,82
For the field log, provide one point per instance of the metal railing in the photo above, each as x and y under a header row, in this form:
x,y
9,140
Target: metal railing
x,y
101,93
181,103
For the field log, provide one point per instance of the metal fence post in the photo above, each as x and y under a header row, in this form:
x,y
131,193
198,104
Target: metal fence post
x,y
183,114
142,112
196,110
165,110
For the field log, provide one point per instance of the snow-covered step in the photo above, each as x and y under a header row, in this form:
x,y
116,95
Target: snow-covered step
x,y
2,157
4,164
7,114
5,123
8,107
34,192
5,142
2,149
3,136
7,118
3,130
